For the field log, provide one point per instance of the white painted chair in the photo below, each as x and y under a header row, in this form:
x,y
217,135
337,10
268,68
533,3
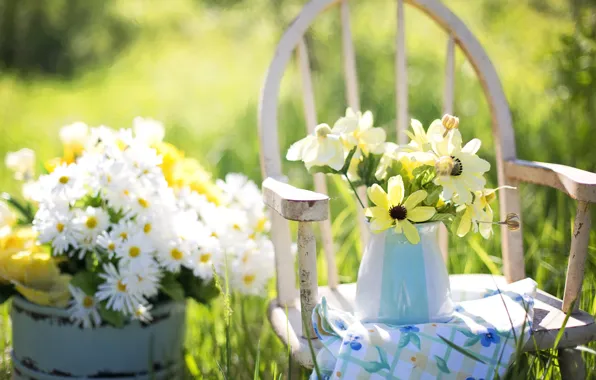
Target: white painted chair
x,y
307,207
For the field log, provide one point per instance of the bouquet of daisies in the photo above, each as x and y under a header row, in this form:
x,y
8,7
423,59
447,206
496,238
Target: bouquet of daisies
x,y
434,177
124,221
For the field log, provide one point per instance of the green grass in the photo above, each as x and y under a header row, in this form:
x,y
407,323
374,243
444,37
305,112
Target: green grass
x,y
199,69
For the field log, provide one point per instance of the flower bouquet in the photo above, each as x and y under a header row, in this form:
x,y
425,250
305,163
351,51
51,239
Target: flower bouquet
x,y
113,238
411,189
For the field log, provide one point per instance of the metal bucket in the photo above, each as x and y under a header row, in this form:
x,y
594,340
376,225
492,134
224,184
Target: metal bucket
x,y
48,346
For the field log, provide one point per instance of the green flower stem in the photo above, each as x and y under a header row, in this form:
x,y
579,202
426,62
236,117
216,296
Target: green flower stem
x,y
355,192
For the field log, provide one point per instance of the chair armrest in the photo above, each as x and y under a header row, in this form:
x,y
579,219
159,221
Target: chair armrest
x,y
578,184
293,203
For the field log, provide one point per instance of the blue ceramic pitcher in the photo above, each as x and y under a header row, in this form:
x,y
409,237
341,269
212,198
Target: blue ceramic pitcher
x,y
403,283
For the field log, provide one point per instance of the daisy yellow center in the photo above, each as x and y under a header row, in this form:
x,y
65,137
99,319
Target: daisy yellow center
x,y
205,257
60,227
91,222
126,192
398,212
213,234
236,227
134,251
124,235
252,236
63,180
140,278
248,279
143,202
111,246
176,254
87,302
121,286
147,228
244,258
457,167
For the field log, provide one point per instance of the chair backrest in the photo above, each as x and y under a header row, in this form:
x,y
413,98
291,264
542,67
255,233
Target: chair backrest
x,y
458,35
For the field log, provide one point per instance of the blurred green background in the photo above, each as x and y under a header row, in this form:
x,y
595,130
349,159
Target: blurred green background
x,y
198,65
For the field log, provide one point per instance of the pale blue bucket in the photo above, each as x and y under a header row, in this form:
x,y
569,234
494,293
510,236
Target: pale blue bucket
x,y
402,283
47,346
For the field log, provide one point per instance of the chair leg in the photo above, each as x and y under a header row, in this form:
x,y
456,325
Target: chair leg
x,y
571,364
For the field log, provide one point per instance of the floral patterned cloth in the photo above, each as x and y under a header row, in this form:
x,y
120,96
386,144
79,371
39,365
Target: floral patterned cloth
x,y
478,342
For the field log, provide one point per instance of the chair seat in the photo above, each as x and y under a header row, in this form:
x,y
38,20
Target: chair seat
x,y
548,317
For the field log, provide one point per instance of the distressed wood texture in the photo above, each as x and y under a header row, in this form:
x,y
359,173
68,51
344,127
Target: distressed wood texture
x,y
307,263
293,203
577,256
319,178
578,184
548,317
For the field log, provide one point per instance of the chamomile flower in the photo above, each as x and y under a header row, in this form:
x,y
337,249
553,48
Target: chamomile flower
x,y
83,308
322,148
136,252
91,222
238,189
142,281
466,175
142,313
109,242
115,291
250,274
63,183
174,253
203,260
74,139
55,224
394,209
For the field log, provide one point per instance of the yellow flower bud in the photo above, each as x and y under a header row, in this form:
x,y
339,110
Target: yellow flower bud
x,y
512,221
449,122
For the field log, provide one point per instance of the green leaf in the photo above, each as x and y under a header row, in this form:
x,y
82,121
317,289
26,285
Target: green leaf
x,y
197,289
415,340
348,160
442,217
322,169
91,261
382,356
441,364
459,349
456,222
404,340
171,287
433,196
115,318
88,282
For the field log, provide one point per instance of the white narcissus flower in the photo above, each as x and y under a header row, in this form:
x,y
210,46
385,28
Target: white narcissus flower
x,y
83,308
148,131
394,209
22,163
322,148
467,171
356,129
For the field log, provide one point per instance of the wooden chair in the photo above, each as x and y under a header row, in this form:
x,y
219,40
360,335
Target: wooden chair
x,y
306,207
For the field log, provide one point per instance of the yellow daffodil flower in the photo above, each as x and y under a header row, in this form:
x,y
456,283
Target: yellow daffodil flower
x,y
7,219
394,209
170,157
189,173
74,137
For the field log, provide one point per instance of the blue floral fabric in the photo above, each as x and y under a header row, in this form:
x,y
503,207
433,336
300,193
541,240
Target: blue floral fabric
x,y
477,343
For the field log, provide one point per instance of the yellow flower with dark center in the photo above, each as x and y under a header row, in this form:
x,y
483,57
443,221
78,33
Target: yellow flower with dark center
x,y
393,209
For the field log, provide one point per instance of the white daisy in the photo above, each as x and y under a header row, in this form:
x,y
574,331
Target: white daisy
x,y
55,224
63,183
123,230
136,251
143,281
74,135
90,223
238,189
109,242
174,253
83,308
203,260
142,313
115,291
